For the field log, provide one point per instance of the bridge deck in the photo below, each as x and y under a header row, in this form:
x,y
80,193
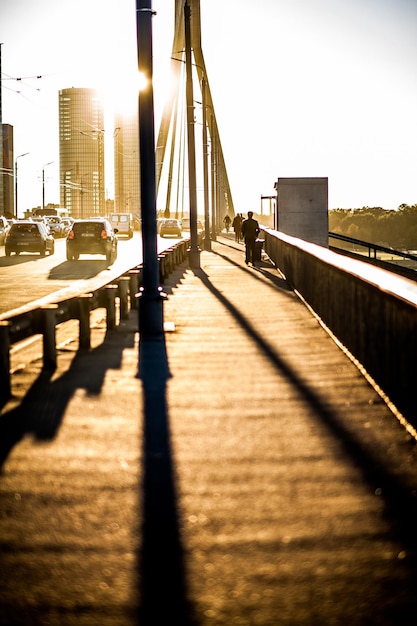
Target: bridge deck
x,y
264,483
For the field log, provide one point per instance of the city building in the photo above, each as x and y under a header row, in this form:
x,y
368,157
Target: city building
x,y
81,152
7,199
126,164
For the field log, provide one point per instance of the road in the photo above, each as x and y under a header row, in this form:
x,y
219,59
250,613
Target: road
x,y
29,277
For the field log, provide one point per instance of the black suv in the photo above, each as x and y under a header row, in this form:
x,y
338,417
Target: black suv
x,y
29,236
92,236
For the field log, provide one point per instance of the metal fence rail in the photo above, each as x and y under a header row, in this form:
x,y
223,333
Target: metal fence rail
x,y
43,320
373,313
397,261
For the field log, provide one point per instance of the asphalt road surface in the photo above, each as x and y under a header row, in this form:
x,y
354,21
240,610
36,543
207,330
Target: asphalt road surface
x,y
27,277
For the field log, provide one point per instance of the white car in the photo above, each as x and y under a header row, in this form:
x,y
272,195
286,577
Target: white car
x,y
56,226
67,223
4,229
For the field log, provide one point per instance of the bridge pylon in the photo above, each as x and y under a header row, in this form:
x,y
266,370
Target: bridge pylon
x,y
169,141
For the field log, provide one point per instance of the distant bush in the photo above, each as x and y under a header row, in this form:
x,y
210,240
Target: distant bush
x,y
396,229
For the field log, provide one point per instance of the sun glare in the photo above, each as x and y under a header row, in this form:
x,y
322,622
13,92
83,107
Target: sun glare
x,y
122,95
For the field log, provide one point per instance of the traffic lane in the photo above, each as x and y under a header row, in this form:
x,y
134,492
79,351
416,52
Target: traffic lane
x,y
28,277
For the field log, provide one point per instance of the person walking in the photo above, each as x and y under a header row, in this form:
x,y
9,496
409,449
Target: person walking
x,y
237,226
250,231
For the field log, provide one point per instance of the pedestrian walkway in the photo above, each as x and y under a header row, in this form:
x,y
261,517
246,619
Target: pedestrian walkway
x,y
243,472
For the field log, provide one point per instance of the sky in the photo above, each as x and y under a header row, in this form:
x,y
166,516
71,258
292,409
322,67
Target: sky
x,y
300,88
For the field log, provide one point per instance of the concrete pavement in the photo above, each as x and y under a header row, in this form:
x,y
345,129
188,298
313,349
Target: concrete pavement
x,y
243,472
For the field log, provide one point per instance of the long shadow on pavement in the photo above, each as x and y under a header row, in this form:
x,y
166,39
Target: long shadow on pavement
x,y
399,499
266,270
41,410
161,562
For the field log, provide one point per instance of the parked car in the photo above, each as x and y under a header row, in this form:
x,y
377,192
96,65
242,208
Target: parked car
x,y
170,227
4,229
92,236
29,236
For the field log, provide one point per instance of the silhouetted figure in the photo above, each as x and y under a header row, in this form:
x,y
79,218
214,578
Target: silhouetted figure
x,y
250,231
237,226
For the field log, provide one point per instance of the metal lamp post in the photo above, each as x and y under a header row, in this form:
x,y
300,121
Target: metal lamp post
x,y
151,321
43,182
15,180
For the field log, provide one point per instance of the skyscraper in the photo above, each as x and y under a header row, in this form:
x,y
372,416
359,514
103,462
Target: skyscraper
x,y
81,152
7,175
126,163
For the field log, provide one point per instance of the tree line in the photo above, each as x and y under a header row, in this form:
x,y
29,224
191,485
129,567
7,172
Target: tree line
x,y
396,229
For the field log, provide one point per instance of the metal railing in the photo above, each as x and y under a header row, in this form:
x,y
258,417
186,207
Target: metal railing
x,y
43,320
372,312
396,261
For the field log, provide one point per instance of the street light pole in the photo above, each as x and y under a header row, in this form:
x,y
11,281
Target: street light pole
x,y
151,322
43,183
15,180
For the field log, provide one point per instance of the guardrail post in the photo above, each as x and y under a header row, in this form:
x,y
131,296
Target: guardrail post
x,y
134,278
84,302
111,306
5,386
124,297
163,266
49,335
169,260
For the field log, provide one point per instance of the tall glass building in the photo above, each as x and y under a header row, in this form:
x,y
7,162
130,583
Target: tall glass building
x,y
81,152
7,175
126,164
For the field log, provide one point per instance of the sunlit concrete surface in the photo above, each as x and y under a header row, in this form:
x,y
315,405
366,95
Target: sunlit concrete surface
x,y
247,474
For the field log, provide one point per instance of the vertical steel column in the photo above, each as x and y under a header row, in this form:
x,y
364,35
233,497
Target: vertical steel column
x,y
213,181
151,324
207,240
194,251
